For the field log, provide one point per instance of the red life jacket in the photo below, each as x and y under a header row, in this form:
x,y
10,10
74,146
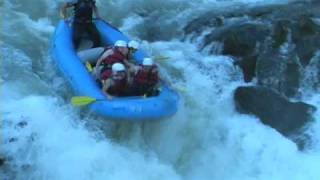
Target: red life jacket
x,y
119,87
105,73
115,57
149,78
108,61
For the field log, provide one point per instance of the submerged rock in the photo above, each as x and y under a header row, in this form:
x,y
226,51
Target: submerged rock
x,y
273,109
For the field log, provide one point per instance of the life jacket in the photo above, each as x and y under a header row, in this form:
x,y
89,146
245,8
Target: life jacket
x,y
83,10
119,87
105,73
115,57
146,78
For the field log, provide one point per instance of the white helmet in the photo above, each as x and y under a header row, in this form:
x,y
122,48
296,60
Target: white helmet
x,y
118,67
133,44
120,43
147,62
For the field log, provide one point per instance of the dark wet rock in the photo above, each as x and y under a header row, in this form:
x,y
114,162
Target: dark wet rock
x,y
248,67
307,26
306,36
277,45
273,109
307,48
279,68
280,32
244,31
239,39
224,17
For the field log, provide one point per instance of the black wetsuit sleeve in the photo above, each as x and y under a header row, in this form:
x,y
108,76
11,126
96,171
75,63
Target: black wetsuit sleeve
x,y
71,3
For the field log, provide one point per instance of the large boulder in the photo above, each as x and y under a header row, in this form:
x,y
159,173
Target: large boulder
x,y
239,39
279,67
273,109
244,30
306,36
307,47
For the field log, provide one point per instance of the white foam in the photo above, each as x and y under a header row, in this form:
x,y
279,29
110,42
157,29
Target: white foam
x,y
63,149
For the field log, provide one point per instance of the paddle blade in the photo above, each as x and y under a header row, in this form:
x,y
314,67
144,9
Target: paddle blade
x,y
89,67
159,58
82,100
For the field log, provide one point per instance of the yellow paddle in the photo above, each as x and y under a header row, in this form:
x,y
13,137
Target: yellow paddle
x,y
89,67
83,100
159,58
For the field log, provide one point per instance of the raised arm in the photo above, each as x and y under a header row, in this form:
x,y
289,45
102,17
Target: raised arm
x,y
96,12
99,61
63,10
106,85
104,55
132,69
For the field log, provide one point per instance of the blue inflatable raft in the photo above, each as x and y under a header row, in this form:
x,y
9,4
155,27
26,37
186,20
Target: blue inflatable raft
x,y
123,108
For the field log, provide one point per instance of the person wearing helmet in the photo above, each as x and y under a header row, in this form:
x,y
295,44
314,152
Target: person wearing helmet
x,y
145,78
82,23
117,83
116,54
133,46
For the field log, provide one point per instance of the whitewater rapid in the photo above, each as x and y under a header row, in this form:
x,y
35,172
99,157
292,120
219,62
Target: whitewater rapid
x,y
44,137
